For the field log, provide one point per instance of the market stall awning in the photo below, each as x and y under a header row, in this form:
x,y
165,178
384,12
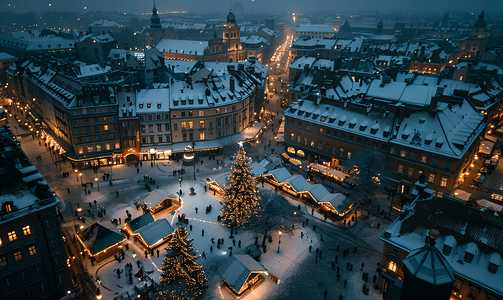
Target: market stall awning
x,y
237,269
258,168
486,147
97,238
328,171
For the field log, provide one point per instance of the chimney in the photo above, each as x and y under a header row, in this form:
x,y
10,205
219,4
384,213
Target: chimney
x,y
323,91
306,68
231,84
433,105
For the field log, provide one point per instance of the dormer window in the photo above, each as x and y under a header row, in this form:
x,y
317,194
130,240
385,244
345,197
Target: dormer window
x,y
322,119
493,268
447,249
141,105
341,122
308,114
362,127
149,105
184,102
427,142
175,103
385,133
159,105
373,131
405,136
352,125
331,120
468,257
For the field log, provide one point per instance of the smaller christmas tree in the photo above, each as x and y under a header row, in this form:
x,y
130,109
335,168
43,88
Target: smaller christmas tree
x,y
182,277
241,198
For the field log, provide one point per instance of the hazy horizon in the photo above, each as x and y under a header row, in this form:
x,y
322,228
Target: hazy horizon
x,y
255,6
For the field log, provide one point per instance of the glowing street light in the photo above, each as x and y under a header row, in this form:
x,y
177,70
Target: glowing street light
x,y
279,240
80,175
76,175
97,182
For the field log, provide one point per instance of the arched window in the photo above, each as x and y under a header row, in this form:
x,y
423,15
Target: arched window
x,y
300,153
291,150
392,266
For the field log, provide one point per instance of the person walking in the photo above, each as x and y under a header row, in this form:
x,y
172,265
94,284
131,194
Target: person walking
x,y
340,297
345,282
202,232
336,259
338,276
117,193
158,252
362,267
351,267
310,248
325,294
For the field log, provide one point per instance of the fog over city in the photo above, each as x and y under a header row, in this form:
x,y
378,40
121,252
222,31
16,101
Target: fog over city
x,y
255,6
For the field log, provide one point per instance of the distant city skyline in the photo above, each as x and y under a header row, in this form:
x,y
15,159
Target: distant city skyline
x,y
259,6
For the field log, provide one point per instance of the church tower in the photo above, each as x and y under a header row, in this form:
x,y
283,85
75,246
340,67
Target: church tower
x,y
156,33
231,33
380,27
479,28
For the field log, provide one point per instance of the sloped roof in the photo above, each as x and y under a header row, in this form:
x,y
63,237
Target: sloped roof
x,y
237,268
140,222
298,183
97,238
156,231
428,264
280,174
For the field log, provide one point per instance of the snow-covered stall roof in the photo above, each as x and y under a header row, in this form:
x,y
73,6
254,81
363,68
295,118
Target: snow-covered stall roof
x,y
338,201
156,232
140,222
237,269
280,174
97,238
261,167
298,183
486,147
318,192
327,170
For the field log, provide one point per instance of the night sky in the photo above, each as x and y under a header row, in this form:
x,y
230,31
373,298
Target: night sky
x,y
262,6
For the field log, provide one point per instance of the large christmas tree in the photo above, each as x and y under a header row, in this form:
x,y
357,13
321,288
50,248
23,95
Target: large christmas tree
x,y
182,277
241,198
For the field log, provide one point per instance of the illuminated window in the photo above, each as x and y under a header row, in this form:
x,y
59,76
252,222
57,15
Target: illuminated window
x,y
191,125
201,136
3,261
32,250
201,124
105,127
312,143
26,230
12,236
403,152
431,178
392,266
400,169
0,242
443,183
423,158
18,256
184,125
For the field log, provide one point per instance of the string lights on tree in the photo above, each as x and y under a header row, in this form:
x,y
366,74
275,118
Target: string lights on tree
x,y
241,198
182,277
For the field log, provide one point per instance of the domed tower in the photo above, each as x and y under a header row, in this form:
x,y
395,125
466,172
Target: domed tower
x,y
427,274
479,28
156,33
380,27
231,33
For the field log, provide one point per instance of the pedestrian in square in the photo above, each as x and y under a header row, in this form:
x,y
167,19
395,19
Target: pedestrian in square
x,y
345,282
158,252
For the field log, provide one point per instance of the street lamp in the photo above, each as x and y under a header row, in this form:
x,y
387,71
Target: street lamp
x,y
279,240
80,175
97,182
194,156
76,175
180,180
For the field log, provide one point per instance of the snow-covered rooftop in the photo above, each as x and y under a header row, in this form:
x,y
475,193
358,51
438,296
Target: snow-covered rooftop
x,y
182,46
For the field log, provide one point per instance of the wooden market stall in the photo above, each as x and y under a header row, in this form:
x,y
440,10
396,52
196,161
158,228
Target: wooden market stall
x,y
148,232
337,205
240,272
330,174
100,242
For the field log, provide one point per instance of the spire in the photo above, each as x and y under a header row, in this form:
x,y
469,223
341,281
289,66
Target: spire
x,y
480,22
154,10
155,20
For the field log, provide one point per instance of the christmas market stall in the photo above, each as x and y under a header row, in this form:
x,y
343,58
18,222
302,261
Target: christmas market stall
x,y
217,185
336,204
100,242
277,176
295,185
326,172
149,232
258,168
315,193
164,200
154,234
240,272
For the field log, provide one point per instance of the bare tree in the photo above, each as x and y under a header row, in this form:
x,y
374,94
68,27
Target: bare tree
x,y
370,168
277,214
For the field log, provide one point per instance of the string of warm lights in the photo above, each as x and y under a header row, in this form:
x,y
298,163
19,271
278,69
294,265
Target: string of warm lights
x,y
241,198
181,276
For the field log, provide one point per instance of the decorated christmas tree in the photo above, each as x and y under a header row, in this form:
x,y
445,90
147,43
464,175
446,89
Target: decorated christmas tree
x,y
182,277
241,198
